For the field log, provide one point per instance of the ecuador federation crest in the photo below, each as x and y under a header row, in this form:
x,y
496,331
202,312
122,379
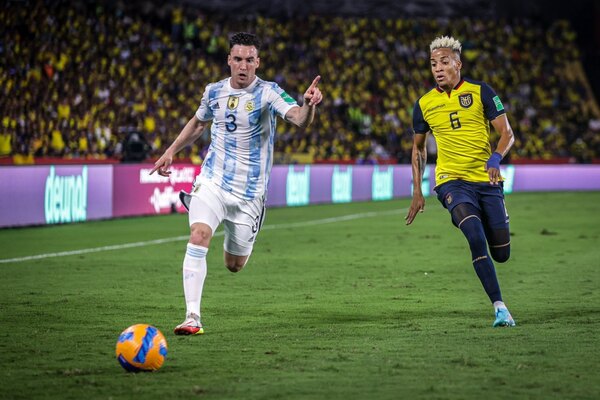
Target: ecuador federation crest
x,y
233,102
449,199
466,100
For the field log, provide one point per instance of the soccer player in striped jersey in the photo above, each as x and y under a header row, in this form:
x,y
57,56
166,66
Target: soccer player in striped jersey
x,y
458,113
242,111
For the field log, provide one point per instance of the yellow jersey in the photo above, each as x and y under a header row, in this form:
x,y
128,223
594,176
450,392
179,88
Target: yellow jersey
x,y
460,124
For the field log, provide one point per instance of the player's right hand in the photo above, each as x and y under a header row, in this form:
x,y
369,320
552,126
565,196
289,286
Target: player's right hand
x,y
417,205
162,165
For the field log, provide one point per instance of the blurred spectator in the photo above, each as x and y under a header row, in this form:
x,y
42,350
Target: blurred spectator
x,y
77,77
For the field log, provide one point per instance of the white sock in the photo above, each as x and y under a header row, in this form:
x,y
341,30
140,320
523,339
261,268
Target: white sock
x,y
194,272
499,304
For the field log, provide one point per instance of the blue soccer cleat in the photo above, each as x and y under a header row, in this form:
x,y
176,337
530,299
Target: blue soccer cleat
x,y
503,318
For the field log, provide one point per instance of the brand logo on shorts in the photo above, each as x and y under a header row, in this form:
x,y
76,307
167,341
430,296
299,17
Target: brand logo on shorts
x,y
449,198
249,105
233,102
466,100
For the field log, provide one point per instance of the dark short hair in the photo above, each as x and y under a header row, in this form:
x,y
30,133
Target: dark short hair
x,y
244,39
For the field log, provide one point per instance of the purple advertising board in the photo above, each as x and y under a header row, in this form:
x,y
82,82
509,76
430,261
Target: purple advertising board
x,y
35,195
314,184
542,178
38,195
136,192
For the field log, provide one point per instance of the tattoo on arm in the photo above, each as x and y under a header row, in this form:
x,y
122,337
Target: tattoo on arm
x,y
421,162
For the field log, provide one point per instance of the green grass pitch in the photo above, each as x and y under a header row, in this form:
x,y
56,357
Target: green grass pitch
x,y
337,302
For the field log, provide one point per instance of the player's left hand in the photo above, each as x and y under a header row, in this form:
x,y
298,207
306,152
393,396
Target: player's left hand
x,y
313,95
492,166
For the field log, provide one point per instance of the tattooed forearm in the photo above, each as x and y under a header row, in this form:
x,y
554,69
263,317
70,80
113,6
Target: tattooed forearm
x,y
421,162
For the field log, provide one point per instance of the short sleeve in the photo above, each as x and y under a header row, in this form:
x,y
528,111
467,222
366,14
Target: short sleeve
x,y
204,113
419,124
492,105
280,101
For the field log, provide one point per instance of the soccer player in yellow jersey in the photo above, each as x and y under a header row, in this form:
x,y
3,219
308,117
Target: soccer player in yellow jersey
x,y
458,113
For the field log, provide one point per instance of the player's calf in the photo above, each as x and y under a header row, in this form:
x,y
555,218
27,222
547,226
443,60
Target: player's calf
x,y
468,220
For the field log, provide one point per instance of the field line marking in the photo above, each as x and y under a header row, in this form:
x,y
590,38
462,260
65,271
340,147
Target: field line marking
x,y
302,224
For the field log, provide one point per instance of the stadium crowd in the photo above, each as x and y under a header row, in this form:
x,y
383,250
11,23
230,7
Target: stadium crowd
x,y
77,78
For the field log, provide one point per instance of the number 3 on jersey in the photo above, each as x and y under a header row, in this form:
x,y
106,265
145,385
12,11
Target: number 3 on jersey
x,y
231,126
454,121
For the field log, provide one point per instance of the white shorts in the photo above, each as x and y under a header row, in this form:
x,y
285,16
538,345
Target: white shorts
x,y
242,219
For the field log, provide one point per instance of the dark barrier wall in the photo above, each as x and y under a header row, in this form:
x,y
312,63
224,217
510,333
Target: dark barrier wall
x,y
39,195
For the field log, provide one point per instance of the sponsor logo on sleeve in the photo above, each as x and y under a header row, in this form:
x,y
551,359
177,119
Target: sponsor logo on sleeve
x,y
498,103
287,98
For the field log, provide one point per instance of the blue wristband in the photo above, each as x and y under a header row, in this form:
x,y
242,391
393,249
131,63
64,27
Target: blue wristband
x,y
494,161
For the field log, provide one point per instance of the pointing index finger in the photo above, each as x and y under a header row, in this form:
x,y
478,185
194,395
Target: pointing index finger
x,y
315,82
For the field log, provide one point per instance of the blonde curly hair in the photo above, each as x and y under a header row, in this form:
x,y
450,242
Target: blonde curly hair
x,y
446,42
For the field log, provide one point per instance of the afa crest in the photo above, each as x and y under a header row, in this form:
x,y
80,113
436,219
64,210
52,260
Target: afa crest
x,y
233,102
249,105
466,100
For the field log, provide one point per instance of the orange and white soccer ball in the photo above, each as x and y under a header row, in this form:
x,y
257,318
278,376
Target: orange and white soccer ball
x,y
141,347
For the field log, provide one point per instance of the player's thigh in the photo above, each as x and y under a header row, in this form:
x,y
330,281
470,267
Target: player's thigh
x,y
495,220
493,207
453,193
206,207
242,225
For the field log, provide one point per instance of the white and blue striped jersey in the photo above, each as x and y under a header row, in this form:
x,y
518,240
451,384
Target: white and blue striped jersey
x,y
240,155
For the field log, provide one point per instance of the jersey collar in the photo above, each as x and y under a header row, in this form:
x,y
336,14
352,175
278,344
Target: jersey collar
x,y
458,85
248,88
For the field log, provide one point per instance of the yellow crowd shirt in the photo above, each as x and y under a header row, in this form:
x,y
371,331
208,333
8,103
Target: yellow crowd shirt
x,y
460,124
5,144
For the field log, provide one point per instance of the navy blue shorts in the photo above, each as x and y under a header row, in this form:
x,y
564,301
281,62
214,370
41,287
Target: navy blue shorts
x,y
488,199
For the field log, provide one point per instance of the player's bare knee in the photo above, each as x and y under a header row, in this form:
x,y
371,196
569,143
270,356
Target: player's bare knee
x,y
200,234
235,263
234,267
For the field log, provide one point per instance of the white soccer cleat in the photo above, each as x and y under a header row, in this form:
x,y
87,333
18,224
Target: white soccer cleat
x,y
191,326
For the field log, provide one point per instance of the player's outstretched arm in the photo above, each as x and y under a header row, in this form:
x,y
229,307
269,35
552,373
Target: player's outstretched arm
x,y
419,161
190,132
303,116
507,138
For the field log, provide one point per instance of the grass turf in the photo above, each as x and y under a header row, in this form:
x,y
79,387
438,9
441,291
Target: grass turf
x,y
362,307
